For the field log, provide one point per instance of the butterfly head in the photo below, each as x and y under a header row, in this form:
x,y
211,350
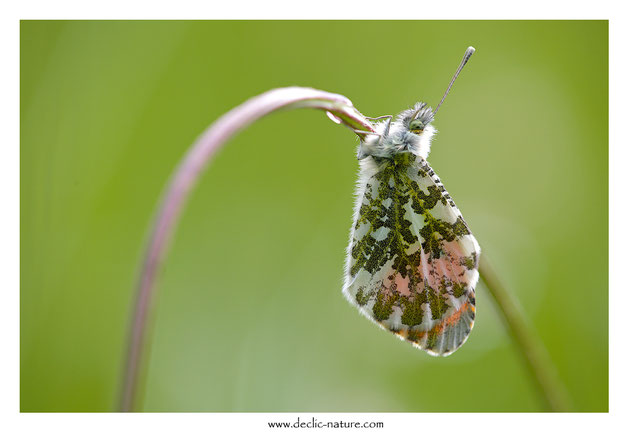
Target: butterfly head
x,y
410,132
417,118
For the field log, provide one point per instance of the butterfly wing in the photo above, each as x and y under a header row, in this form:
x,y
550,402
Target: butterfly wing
x,y
412,262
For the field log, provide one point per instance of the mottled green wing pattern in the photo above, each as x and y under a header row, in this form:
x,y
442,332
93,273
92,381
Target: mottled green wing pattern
x,y
412,262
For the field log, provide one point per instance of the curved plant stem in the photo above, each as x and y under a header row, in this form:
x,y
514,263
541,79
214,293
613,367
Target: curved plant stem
x,y
531,348
186,175
340,110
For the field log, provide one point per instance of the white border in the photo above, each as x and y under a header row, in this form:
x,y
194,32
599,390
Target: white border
x,y
325,9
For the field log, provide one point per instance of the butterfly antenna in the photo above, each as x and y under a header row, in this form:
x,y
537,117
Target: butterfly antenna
x,y
466,57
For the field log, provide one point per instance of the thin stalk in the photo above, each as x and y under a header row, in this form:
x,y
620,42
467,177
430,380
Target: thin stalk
x,y
185,176
530,347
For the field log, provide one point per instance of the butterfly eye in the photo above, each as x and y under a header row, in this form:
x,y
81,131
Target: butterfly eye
x,y
416,126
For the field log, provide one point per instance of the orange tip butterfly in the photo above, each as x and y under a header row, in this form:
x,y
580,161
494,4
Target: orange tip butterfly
x,y
412,262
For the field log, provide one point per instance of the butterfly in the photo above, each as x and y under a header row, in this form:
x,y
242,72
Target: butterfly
x,y
412,261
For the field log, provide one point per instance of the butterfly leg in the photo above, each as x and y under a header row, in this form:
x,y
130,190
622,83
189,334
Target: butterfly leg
x,y
388,116
358,131
386,129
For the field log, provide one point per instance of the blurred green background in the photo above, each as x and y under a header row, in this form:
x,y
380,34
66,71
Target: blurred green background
x,y
250,315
